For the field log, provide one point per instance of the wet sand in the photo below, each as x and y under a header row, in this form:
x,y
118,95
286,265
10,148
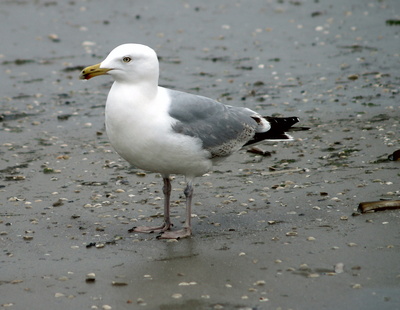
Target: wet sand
x,y
273,232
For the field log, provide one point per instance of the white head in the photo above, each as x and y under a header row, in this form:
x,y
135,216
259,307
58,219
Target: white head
x,y
127,63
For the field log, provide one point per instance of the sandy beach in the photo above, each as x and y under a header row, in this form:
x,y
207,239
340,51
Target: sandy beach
x,y
274,231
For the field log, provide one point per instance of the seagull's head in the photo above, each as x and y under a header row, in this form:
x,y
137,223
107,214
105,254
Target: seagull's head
x,y
130,63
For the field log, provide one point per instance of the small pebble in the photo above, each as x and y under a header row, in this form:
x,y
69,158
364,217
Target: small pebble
x,y
17,281
176,296
116,283
53,37
304,267
339,268
187,283
353,77
259,283
139,301
90,277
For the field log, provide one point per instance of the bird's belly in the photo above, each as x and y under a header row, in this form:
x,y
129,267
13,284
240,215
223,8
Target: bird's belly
x,y
158,149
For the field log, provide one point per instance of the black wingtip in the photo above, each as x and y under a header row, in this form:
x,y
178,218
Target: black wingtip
x,y
279,128
283,123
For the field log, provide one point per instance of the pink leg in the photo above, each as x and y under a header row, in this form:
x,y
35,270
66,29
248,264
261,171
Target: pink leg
x,y
186,231
166,225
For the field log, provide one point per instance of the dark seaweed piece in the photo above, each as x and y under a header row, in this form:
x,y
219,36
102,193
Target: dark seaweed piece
x,y
73,68
13,116
18,62
393,22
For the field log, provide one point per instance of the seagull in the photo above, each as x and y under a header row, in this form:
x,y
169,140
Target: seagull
x,y
172,132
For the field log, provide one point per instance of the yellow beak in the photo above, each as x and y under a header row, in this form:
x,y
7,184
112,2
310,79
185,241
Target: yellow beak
x,y
92,71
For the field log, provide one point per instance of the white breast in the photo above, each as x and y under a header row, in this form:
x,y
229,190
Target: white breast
x,y
139,129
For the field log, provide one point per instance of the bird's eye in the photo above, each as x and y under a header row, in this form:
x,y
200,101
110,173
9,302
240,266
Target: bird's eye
x,y
126,59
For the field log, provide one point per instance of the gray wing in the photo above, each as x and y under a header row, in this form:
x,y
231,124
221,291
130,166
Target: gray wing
x,y
222,129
